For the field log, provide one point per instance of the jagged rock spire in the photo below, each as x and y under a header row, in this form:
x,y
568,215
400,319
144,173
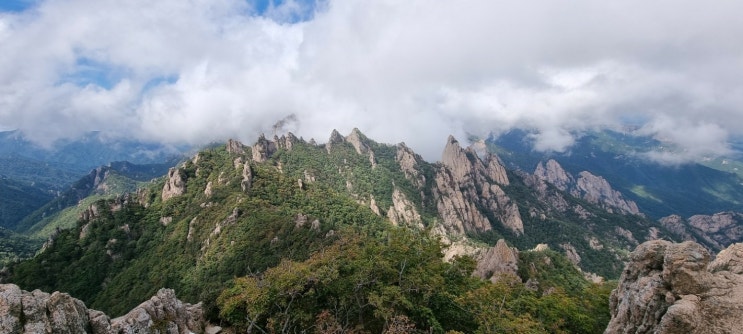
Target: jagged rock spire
x,y
335,139
263,149
356,138
458,202
592,188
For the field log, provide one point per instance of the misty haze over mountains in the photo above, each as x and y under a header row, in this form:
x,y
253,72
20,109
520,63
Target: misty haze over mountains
x,y
211,71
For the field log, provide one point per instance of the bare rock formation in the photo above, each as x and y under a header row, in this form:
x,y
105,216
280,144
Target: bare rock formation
x,y
335,139
175,185
288,141
714,231
356,139
553,173
41,312
409,164
497,261
673,288
247,181
724,228
263,149
162,313
402,211
235,147
465,184
676,225
594,189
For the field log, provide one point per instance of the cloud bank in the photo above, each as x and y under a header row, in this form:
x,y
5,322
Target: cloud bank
x,y
415,71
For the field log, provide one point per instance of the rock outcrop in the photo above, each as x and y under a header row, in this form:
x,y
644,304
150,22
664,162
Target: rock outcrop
x,y
408,161
175,185
714,231
41,312
674,288
356,139
263,149
335,139
497,261
465,184
235,147
594,189
402,211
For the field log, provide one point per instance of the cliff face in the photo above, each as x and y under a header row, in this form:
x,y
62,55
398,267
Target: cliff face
x,y
39,312
674,288
714,231
464,184
594,189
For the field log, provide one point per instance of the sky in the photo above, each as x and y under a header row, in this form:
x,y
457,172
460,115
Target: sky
x,y
414,71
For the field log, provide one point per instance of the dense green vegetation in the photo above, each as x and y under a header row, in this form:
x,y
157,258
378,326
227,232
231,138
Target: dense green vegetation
x,y
400,284
282,257
119,260
14,246
18,200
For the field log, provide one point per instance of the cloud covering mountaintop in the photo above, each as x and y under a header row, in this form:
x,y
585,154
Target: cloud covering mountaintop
x,y
200,70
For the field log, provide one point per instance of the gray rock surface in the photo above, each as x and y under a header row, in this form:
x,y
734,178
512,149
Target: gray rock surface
x,y
175,185
462,172
714,231
497,261
40,312
674,288
263,149
594,189
408,161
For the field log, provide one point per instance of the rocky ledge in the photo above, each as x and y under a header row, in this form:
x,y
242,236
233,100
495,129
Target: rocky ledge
x,y
40,312
676,288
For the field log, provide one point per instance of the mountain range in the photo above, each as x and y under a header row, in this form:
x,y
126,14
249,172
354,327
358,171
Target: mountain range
x,y
234,218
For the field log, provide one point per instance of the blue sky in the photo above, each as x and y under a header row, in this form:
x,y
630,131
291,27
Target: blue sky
x,y
15,5
414,71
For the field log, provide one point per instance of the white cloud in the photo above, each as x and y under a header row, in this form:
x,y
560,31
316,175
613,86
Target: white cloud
x,y
412,71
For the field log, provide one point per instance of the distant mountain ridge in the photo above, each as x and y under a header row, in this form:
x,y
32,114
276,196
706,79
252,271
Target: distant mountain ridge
x,y
31,175
235,218
706,187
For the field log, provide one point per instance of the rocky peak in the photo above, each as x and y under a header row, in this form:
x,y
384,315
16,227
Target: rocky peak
x,y
356,138
497,261
263,149
288,141
335,139
673,288
455,158
714,231
553,173
235,147
464,185
408,161
594,189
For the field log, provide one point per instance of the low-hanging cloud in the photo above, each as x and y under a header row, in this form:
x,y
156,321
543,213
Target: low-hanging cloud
x,y
415,71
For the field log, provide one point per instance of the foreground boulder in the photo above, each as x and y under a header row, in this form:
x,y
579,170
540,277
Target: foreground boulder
x,y
40,312
674,288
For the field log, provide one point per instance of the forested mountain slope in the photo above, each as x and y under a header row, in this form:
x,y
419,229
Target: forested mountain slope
x,y
313,221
